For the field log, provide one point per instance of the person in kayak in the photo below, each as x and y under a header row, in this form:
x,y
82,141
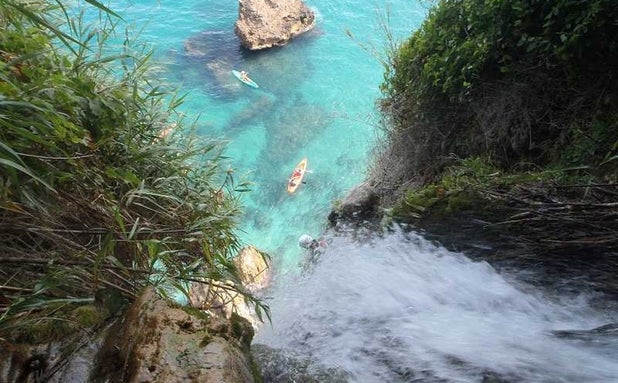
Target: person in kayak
x,y
244,75
297,173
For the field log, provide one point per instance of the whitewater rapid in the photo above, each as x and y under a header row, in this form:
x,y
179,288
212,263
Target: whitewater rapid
x,y
398,308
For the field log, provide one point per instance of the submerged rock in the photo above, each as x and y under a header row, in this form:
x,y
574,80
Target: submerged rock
x,y
267,23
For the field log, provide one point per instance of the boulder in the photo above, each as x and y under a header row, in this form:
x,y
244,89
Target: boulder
x,y
361,203
152,341
158,342
268,23
197,46
253,268
219,299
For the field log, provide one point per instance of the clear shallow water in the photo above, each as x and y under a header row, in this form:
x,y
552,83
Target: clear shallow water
x,y
400,308
316,100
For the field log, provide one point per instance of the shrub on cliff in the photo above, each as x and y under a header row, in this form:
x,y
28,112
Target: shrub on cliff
x,y
96,190
507,111
514,80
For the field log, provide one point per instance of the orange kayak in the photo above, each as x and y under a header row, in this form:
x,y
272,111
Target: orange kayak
x,y
297,176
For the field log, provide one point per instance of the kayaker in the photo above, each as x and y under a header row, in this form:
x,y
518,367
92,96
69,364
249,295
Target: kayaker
x,y
297,173
244,75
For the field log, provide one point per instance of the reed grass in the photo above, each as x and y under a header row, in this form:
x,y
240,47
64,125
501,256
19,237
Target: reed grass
x,y
93,194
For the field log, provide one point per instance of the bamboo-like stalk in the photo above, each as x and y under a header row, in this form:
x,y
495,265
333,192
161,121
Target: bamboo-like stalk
x,y
91,198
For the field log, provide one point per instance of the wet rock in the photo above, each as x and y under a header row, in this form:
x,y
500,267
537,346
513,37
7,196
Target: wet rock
x,y
60,349
77,365
266,23
21,363
601,334
492,377
360,204
279,366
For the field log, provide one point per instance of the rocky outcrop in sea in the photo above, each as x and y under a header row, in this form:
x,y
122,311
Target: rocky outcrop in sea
x,y
266,23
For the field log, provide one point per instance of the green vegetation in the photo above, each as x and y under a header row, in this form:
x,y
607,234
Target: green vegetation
x,y
453,194
528,88
97,192
465,40
513,80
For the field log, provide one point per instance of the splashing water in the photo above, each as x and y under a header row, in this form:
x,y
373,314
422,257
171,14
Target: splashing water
x,y
401,308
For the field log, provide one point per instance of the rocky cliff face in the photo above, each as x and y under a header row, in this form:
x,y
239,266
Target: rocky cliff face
x,y
267,23
152,340
157,342
361,203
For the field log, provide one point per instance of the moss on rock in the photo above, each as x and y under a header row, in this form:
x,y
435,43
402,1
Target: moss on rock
x,y
88,316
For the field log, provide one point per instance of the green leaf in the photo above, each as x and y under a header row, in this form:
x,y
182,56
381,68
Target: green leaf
x,y
103,8
64,37
9,150
24,170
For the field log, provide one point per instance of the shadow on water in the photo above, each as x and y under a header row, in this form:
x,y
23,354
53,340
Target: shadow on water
x,y
260,104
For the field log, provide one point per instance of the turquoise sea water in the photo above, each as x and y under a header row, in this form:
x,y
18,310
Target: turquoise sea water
x,y
316,100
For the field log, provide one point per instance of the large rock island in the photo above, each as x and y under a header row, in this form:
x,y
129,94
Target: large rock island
x,y
265,23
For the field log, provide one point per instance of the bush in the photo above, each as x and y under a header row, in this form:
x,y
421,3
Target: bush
x,y
509,79
464,40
